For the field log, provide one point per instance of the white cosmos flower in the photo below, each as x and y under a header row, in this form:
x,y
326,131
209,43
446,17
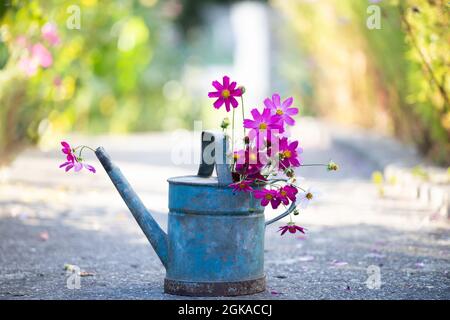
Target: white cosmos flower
x,y
304,198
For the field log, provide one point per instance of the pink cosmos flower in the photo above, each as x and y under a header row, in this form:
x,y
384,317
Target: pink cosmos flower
x,y
287,193
244,185
267,196
50,33
289,153
36,56
28,66
262,125
292,228
282,109
41,55
225,94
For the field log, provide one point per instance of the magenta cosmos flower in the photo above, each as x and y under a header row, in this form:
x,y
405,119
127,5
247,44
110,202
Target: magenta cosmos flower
x,y
292,228
267,196
244,185
289,153
250,160
262,125
225,94
287,193
282,109
72,160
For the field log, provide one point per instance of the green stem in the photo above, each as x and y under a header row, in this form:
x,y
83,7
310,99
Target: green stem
x,y
82,148
232,135
314,165
243,112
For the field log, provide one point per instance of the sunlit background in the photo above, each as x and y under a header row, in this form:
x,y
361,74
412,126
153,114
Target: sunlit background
x,y
147,65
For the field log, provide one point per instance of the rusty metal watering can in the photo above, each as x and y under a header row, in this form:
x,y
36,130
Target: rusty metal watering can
x,y
214,244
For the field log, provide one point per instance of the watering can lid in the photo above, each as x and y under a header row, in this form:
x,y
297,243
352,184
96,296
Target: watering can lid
x,y
214,156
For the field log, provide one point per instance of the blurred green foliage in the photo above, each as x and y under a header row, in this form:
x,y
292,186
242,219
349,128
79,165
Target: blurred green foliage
x,y
394,79
121,71
113,74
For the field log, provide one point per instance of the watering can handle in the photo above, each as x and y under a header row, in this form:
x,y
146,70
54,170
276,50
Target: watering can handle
x,y
284,214
214,155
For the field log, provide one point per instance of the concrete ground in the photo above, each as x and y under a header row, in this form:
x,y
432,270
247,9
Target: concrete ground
x,y
49,219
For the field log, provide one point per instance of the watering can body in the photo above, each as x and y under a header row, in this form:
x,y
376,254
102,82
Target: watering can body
x,y
214,244
215,238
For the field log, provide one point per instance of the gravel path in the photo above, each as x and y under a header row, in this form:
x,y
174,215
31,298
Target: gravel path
x,y
49,219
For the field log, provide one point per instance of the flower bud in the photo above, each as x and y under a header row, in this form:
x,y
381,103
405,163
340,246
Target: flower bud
x,y
332,166
289,172
246,140
296,212
242,88
225,123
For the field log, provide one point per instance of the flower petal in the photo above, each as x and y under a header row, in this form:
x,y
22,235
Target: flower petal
x,y
287,103
218,103
227,104
216,84
65,144
78,166
276,99
226,82
214,94
289,120
234,102
90,168
255,114
65,164
269,104
291,111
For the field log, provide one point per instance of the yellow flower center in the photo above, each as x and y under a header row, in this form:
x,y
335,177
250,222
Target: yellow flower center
x,y
268,196
309,196
279,112
283,193
253,157
287,154
226,93
242,185
263,126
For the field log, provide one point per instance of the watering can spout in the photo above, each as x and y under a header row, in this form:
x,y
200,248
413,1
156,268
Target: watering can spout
x,y
155,235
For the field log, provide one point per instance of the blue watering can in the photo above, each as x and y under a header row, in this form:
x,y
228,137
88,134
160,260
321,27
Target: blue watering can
x,y
214,244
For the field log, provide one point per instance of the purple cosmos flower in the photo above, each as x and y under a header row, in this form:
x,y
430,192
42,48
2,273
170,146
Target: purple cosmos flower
x,y
292,228
287,193
263,125
244,185
267,196
72,160
225,94
282,109
289,153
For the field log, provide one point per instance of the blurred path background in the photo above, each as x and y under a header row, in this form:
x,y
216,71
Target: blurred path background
x,y
370,79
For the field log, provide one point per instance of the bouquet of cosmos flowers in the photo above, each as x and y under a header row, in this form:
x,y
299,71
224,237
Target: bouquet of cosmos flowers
x,y
265,164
